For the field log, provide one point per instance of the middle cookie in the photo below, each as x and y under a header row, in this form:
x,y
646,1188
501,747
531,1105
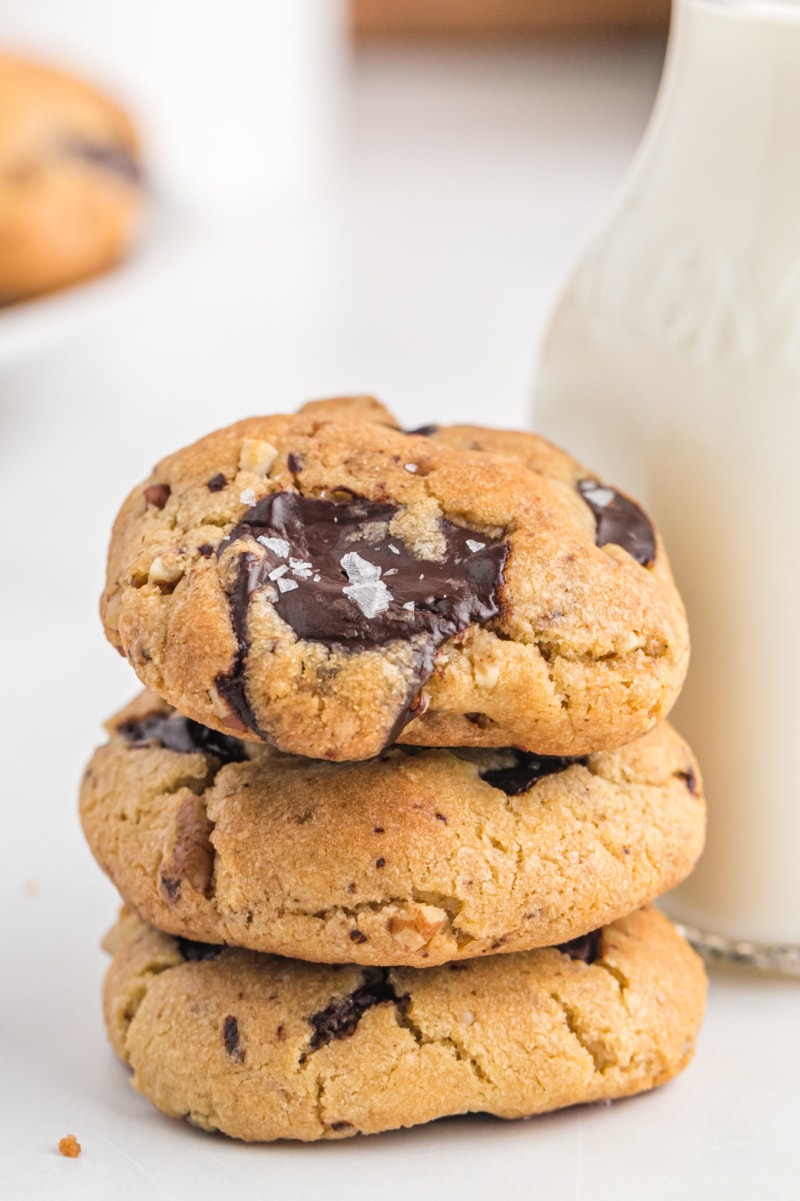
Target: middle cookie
x,y
418,857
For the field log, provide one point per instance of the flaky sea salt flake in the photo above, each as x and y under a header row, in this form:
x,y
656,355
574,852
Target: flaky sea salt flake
x,y
358,569
301,568
366,588
600,496
372,597
278,546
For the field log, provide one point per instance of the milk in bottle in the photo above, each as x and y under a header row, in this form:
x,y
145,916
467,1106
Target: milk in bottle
x,y
672,367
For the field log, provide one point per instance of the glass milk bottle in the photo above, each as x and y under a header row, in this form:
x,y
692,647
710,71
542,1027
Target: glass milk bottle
x,y
672,367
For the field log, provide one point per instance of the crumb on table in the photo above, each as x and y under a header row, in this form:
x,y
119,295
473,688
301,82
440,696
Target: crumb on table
x,y
69,1146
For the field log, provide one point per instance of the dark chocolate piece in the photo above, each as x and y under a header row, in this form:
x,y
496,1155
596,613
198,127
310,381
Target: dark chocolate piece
x,y
340,1018
217,482
423,431
481,720
526,769
588,947
689,778
205,549
620,520
170,887
339,577
157,494
295,463
113,157
230,1036
178,733
196,952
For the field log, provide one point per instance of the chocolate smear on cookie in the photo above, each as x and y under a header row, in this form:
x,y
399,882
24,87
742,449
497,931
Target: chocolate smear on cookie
x,y
525,769
337,575
174,732
620,520
588,947
340,1018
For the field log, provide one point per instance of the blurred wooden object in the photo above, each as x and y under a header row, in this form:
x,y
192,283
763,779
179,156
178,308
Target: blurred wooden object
x,y
502,18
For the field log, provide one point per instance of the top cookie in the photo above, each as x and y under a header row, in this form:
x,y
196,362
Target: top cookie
x,y
70,192
328,583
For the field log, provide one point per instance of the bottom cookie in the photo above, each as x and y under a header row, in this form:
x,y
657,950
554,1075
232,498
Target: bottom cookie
x,y
266,1048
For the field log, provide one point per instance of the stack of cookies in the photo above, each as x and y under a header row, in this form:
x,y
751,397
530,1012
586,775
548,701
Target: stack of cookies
x,y
388,820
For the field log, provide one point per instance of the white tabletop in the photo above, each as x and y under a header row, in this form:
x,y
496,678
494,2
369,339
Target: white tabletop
x,y
426,277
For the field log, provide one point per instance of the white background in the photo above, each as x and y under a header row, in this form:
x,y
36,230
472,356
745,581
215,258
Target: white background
x,y
424,273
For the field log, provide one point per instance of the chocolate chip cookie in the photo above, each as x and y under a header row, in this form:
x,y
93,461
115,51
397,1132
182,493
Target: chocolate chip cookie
x,y
70,180
328,584
417,857
266,1048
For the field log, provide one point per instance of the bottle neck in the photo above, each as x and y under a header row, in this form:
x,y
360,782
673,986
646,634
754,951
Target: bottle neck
x,y
726,123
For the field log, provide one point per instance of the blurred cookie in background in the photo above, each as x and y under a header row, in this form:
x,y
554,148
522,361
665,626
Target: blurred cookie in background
x,y
70,180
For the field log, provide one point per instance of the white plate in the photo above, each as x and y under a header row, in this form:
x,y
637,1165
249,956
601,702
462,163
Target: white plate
x,y
35,326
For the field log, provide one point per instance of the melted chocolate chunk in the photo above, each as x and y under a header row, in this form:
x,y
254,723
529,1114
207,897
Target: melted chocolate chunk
x,y
110,157
157,494
620,521
337,576
217,482
230,1036
205,549
423,431
588,948
233,687
196,952
295,463
526,769
340,1018
178,733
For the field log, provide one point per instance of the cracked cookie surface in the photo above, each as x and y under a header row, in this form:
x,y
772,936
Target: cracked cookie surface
x,y
265,1048
329,584
70,188
412,858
